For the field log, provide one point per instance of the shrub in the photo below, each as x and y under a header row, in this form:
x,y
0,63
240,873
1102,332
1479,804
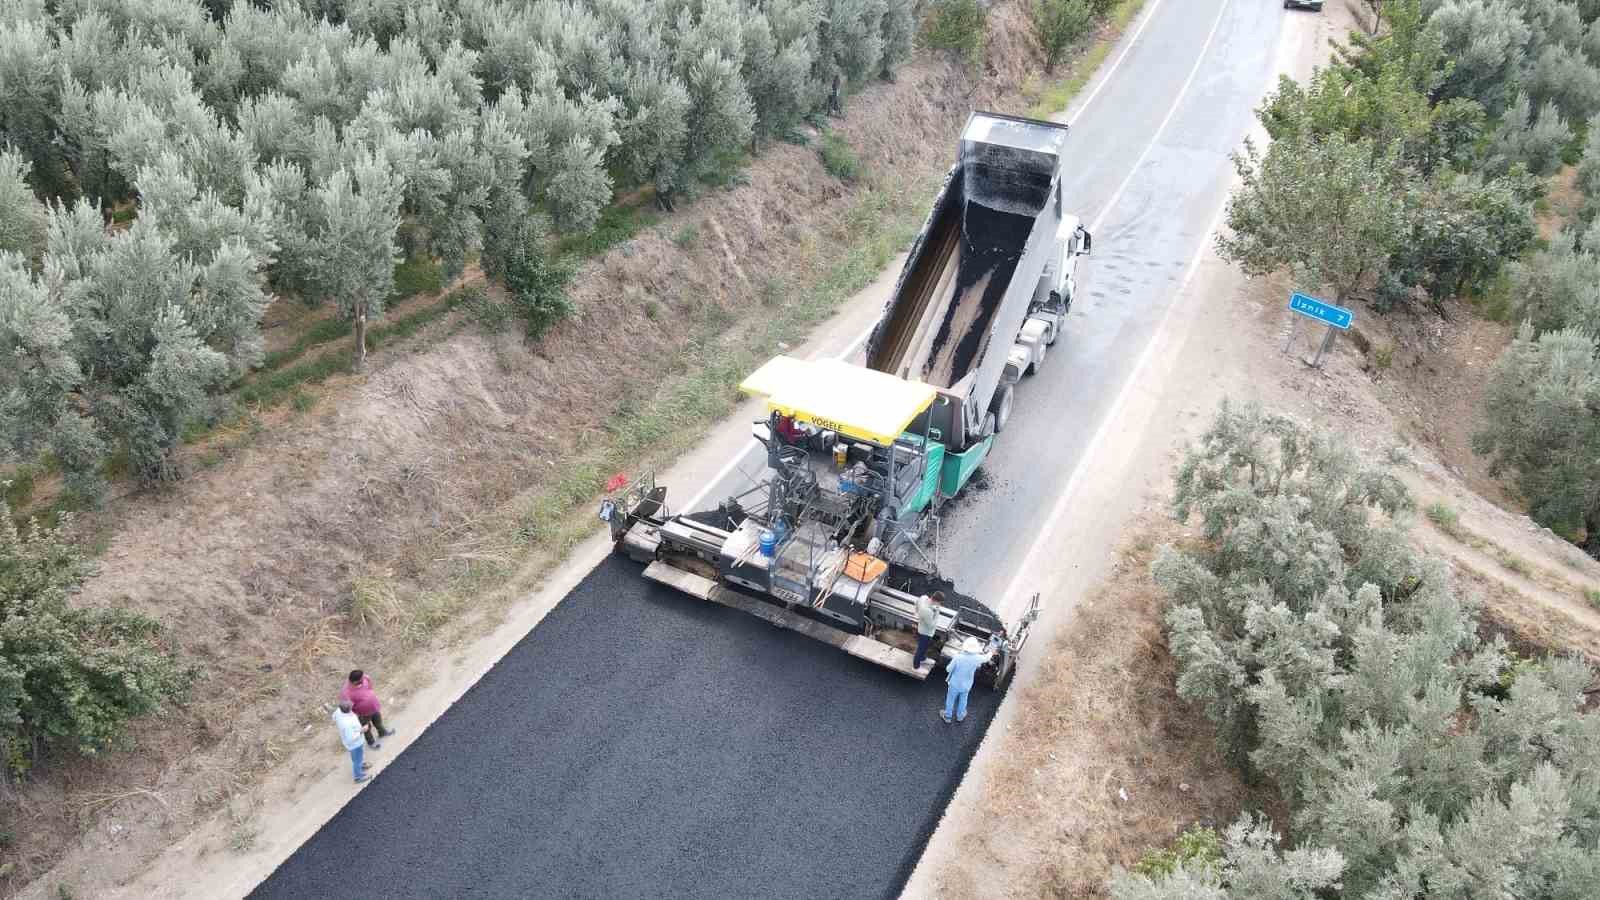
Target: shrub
x,y
535,279
957,26
839,158
1244,864
1444,517
68,677
1340,664
1059,24
1197,848
417,276
538,288
491,314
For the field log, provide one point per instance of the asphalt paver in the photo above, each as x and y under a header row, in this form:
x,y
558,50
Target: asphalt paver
x,y
751,762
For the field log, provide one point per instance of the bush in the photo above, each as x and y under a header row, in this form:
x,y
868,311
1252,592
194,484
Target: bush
x,y
535,279
68,677
1340,665
538,288
1058,25
687,236
1244,864
839,158
417,276
1197,848
957,26
1445,518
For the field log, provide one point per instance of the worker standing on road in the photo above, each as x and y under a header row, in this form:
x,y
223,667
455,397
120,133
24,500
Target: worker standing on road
x,y
962,670
358,692
927,619
349,726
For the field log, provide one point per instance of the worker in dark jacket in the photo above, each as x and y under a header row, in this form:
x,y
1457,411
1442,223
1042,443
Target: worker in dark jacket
x,y
927,621
364,700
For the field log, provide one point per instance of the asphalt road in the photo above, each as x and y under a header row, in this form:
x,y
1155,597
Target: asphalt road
x,y
639,742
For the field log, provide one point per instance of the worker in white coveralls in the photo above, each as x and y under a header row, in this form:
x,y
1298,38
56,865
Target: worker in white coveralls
x,y
927,620
962,671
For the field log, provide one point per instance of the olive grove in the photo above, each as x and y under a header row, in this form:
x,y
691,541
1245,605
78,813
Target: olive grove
x,y
1416,757
301,149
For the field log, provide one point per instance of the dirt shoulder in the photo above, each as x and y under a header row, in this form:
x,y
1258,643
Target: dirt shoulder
x,y
1103,758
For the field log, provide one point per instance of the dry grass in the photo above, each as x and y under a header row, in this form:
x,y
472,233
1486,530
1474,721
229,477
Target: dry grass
x,y
1103,761
321,638
1448,522
1532,627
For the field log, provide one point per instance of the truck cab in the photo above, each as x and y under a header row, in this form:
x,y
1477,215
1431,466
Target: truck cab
x,y
1052,300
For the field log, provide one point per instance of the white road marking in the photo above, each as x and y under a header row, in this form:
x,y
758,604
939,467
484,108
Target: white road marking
x,y
1172,111
1106,79
1089,450
1063,501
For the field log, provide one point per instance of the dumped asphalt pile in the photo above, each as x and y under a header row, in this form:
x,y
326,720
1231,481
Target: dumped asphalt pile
x,y
992,242
639,742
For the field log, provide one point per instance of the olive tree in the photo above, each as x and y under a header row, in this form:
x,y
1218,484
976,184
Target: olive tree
x,y
1485,39
1322,208
112,346
1541,424
30,98
777,65
357,215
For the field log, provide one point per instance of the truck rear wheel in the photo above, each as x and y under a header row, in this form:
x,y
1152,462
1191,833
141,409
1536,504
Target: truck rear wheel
x,y
1000,407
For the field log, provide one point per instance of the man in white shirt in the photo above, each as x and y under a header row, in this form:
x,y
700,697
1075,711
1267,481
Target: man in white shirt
x,y
349,725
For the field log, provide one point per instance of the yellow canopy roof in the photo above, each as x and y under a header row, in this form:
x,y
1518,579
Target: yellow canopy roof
x,y
858,402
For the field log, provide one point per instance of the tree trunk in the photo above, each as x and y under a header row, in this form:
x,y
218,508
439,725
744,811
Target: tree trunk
x,y
361,335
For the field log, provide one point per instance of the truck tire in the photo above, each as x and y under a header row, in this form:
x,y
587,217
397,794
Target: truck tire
x,y
1000,407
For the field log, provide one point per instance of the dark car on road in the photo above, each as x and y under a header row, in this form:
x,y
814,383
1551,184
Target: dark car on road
x,y
1313,5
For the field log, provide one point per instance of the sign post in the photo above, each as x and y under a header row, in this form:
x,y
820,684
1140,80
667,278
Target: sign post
x,y
1337,318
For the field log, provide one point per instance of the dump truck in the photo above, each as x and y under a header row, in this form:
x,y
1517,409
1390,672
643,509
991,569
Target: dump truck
x,y
838,538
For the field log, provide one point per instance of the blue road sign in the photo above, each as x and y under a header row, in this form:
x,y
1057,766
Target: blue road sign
x,y
1312,308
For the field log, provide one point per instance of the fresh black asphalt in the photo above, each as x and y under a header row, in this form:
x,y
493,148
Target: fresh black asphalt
x,y
640,742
